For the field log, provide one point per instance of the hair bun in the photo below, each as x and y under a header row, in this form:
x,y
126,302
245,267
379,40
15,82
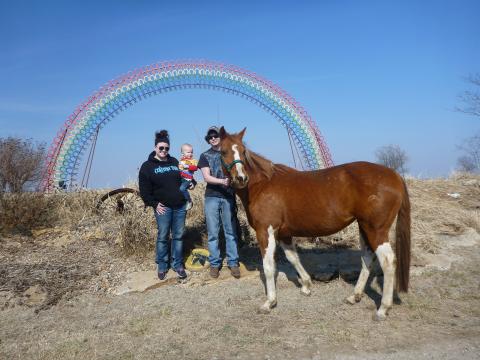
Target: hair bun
x,y
162,134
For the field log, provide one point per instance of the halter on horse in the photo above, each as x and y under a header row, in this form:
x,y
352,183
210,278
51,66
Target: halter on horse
x,y
282,202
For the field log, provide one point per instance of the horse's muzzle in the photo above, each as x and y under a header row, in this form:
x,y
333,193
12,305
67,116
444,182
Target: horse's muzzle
x,y
240,181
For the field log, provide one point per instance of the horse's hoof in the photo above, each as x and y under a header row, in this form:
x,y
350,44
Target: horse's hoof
x,y
350,300
266,308
263,310
306,292
379,316
353,299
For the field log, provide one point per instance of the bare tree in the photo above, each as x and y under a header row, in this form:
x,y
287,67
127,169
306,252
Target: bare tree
x,y
21,163
470,161
471,98
393,157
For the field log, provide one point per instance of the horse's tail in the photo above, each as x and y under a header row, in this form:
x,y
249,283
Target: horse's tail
x,y
402,248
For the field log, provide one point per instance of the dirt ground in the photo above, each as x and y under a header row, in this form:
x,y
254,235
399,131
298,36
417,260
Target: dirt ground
x,y
56,307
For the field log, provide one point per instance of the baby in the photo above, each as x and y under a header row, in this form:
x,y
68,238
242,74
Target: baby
x,y
187,165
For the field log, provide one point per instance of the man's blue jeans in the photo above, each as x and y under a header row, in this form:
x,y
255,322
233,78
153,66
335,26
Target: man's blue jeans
x,y
172,221
217,209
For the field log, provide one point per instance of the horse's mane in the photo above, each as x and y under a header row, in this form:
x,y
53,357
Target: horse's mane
x,y
265,167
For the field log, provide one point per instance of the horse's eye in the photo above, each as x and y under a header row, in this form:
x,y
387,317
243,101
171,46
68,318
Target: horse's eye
x,y
223,152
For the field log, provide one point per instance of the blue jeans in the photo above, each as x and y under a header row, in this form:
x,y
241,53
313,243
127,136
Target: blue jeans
x,y
217,209
172,221
184,189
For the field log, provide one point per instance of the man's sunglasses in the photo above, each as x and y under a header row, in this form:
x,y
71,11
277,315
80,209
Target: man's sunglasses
x,y
161,148
210,137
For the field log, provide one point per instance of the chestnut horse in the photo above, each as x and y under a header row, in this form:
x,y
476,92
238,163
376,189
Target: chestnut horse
x,y
282,202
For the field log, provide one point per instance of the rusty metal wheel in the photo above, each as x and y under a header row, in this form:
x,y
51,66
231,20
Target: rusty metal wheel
x,y
120,200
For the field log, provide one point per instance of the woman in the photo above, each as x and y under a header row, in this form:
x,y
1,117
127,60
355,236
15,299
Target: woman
x,y
159,181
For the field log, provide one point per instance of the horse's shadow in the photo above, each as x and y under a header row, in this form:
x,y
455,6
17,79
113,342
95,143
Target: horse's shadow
x,y
325,264
322,265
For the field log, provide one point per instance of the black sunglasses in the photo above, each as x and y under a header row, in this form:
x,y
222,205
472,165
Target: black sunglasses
x,y
210,137
166,148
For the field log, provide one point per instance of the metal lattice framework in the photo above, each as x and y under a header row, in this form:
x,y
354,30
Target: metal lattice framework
x,y
89,117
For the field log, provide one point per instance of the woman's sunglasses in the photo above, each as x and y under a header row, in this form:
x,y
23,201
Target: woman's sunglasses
x,y
210,137
161,148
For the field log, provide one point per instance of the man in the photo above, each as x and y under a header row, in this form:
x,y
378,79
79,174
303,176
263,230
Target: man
x,y
219,206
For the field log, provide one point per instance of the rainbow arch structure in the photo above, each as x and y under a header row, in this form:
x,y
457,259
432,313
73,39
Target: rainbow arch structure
x,y
82,126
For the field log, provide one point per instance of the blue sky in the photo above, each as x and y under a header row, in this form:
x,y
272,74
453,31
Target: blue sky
x,y
370,73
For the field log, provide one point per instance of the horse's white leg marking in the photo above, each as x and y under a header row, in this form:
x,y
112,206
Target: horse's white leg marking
x,y
367,259
292,256
269,270
386,258
239,166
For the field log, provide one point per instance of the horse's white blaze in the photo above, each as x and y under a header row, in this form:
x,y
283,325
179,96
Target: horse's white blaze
x,y
269,269
292,256
239,166
386,258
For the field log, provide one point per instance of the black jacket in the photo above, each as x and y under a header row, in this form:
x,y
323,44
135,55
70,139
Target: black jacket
x,y
159,181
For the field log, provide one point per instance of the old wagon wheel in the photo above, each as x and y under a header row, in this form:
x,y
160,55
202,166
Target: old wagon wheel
x,y
120,200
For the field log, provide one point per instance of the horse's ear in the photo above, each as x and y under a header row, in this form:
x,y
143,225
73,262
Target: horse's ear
x,y
241,133
222,133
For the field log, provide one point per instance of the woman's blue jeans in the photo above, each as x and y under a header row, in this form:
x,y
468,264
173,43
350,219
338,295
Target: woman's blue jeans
x,y
173,221
217,209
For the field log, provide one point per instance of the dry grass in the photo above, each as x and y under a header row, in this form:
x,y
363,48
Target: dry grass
x,y
136,231
433,212
25,211
28,211
436,212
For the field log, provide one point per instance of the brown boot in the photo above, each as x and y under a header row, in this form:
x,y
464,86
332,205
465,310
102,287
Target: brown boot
x,y
235,271
214,272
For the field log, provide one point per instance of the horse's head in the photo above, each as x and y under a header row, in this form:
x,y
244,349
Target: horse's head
x,y
233,157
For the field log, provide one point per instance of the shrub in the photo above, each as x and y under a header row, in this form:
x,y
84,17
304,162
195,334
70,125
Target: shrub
x,y
26,211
